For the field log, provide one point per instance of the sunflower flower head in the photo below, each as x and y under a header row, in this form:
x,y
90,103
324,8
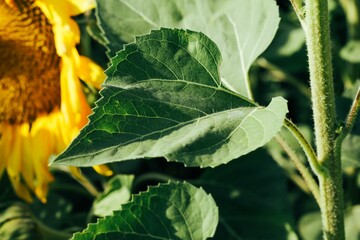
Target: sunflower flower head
x,y
42,106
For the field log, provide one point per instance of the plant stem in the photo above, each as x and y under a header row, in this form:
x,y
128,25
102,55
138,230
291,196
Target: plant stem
x,y
349,123
309,151
298,8
352,13
322,94
353,113
304,171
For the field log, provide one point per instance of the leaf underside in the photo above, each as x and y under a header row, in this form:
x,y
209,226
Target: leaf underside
x,y
242,29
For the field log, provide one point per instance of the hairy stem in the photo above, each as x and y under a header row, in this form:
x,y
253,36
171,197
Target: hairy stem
x,y
298,8
353,113
309,151
322,95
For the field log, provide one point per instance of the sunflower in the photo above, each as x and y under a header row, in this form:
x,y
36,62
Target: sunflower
x,y
42,105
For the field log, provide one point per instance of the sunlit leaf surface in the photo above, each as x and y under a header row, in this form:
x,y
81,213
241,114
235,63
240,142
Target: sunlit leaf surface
x,y
163,97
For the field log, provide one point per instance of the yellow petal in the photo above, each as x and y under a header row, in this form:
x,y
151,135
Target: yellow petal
x,y
14,166
11,143
24,151
42,182
41,193
28,159
66,31
20,189
58,127
67,35
42,144
80,6
103,170
15,154
5,145
10,3
76,173
68,7
90,72
71,92
55,11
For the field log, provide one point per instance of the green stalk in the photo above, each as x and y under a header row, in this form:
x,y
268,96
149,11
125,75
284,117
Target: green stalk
x,y
352,13
322,94
298,8
318,169
353,113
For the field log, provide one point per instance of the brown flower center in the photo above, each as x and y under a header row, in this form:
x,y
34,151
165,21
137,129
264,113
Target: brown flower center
x,y
29,65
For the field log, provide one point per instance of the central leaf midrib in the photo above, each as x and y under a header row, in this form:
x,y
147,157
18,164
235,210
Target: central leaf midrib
x,y
188,82
180,125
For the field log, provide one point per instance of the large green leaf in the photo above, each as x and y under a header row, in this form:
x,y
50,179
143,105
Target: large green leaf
x,y
252,198
242,29
168,211
163,97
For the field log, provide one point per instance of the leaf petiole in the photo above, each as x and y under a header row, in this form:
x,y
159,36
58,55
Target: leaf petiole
x,y
308,150
353,113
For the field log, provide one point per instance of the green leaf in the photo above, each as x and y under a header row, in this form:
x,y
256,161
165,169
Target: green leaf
x,y
352,223
289,40
310,226
16,222
242,29
350,151
167,211
252,197
351,51
95,32
163,97
117,191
